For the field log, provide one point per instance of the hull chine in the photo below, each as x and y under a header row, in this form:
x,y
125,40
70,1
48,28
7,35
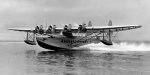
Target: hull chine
x,y
48,46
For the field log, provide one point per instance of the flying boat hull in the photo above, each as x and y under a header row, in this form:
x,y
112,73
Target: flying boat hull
x,y
49,46
61,42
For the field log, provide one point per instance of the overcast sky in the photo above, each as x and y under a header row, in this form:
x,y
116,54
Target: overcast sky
x,y
28,13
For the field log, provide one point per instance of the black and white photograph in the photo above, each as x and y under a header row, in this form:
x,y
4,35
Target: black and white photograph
x,y
74,37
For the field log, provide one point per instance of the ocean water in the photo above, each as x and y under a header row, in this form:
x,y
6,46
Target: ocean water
x,y
123,58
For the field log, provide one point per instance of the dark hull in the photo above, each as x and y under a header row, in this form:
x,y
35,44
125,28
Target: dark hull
x,y
30,42
106,42
47,46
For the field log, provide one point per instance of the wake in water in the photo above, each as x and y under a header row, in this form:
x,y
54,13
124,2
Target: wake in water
x,y
122,46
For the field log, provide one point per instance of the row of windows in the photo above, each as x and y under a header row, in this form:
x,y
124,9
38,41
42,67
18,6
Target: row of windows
x,y
73,41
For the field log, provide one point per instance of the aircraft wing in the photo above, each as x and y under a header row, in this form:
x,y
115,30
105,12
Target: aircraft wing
x,y
22,29
111,28
115,28
89,29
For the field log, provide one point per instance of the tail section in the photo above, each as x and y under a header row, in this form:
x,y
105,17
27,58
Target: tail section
x,y
89,24
110,23
110,33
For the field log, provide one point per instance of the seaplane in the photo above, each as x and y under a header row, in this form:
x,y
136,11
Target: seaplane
x,y
69,37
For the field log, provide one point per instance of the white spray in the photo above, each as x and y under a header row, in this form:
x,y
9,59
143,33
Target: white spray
x,y
122,46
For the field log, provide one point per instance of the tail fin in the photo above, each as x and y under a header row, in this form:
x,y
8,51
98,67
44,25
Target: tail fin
x,y
110,33
89,24
110,23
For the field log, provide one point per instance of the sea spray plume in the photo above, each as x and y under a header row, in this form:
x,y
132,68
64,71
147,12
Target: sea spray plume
x,y
122,46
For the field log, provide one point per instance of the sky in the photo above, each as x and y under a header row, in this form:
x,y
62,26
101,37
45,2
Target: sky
x,y
29,13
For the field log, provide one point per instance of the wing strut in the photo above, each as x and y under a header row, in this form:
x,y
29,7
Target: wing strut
x,y
30,38
108,34
103,35
107,41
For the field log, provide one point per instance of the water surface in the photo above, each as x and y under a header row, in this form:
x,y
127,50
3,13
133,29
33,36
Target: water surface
x,y
18,58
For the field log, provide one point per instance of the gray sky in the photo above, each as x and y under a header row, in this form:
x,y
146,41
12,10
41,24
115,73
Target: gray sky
x,y
28,13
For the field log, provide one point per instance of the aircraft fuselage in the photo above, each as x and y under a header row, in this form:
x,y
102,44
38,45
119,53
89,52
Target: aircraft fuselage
x,y
55,42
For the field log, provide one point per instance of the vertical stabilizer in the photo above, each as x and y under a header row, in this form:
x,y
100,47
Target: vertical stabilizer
x,y
89,24
110,33
110,23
